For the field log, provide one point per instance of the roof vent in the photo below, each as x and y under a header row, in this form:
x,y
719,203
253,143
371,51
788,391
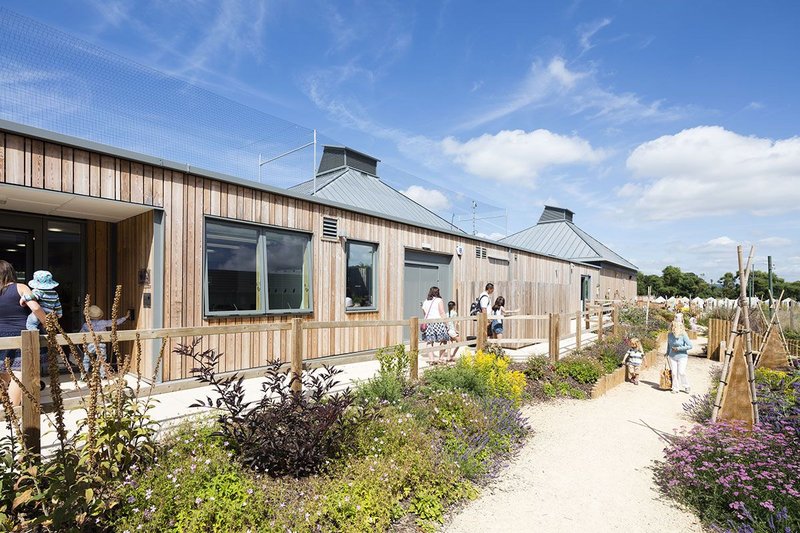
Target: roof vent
x,y
330,228
555,214
334,157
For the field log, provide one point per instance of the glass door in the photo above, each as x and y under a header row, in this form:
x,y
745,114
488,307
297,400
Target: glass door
x,y
16,247
31,243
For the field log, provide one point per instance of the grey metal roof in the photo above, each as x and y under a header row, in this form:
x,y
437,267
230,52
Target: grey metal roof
x,y
566,240
363,191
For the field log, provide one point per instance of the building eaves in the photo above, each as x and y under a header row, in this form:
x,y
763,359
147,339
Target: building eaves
x,y
15,128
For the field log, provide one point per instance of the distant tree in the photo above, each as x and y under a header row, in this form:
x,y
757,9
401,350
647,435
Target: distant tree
x,y
674,282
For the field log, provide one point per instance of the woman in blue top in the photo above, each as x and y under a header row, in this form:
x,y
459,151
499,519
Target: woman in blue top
x,y
13,318
678,346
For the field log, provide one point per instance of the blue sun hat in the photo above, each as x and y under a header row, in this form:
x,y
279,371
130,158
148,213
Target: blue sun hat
x,y
42,279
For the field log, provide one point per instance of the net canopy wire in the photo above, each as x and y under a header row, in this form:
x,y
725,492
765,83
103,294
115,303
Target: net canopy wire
x,y
57,82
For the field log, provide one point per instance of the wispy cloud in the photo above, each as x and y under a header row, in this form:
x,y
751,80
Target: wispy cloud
x,y
587,31
578,92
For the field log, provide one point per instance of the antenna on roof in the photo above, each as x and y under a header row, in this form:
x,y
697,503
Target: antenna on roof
x,y
293,150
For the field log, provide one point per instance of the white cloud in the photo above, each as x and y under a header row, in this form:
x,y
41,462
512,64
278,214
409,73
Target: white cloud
x,y
577,91
587,31
775,241
433,199
721,241
709,170
519,155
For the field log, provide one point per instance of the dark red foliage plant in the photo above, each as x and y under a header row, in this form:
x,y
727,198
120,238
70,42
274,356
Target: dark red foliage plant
x,y
286,432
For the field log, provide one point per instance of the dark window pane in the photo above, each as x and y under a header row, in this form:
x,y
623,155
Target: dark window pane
x,y
231,262
64,260
288,270
360,275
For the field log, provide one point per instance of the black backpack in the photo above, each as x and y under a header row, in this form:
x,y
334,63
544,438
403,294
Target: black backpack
x,y
475,307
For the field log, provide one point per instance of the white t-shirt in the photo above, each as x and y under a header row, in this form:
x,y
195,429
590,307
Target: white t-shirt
x,y
485,301
431,308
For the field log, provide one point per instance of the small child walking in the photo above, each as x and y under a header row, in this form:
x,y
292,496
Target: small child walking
x,y
498,311
98,325
451,328
633,359
43,291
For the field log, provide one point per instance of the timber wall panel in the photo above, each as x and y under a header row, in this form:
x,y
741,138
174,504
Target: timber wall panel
x,y
535,284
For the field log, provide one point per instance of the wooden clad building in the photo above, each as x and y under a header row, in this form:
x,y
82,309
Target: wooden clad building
x,y
194,248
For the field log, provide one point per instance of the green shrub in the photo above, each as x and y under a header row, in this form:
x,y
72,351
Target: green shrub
x,y
457,377
580,368
194,486
537,367
391,382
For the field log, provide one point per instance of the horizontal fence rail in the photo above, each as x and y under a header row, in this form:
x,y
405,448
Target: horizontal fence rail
x,y
595,319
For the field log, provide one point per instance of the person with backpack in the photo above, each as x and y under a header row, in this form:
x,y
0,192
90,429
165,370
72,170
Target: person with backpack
x,y
483,302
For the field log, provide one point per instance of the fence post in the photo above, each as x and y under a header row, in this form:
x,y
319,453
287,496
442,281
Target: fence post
x,y
481,333
600,323
297,354
413,328
553,341
31,374
588,312
615,320
578,330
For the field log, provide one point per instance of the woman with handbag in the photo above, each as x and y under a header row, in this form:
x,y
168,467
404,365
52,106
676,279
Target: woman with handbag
x,y
433,307
678,346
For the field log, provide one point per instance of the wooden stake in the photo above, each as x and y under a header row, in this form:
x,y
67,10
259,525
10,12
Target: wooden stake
x,y
600,323
483,324
578,328
297,354
615,320
31,370
413,329
554,338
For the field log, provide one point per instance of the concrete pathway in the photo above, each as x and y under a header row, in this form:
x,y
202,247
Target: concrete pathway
x,y
588,465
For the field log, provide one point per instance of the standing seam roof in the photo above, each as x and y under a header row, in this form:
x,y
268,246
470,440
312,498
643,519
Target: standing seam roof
x,y
360,190
564,239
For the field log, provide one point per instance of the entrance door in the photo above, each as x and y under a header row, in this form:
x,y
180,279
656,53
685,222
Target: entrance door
x,y
586,291
33,243
423,271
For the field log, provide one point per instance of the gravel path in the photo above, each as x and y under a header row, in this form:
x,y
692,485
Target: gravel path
x,y
587,466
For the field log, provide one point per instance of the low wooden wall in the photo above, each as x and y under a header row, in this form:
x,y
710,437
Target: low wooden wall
x,y
617,377
718,330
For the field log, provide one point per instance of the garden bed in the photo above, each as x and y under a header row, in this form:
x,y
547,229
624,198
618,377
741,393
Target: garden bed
x,y
388,455
739,479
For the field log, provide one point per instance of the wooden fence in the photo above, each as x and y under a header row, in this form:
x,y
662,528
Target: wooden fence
x,y
719,330
597,319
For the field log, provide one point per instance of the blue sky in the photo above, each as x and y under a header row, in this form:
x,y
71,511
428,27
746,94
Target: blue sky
x,y
670,128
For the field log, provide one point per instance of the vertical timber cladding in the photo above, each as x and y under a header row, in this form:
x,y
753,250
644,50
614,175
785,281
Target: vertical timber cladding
x,y
616,283
533,283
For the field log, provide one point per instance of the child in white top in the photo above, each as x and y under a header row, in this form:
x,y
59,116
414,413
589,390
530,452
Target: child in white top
x,y
633,359
451,328
498,311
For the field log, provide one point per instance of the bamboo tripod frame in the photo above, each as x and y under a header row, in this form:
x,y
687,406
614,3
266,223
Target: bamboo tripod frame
x,y
739,329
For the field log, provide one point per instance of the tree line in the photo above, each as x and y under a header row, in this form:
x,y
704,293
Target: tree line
x,y
674,282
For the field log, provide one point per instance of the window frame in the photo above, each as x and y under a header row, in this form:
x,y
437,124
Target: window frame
x,y
262,280
375,265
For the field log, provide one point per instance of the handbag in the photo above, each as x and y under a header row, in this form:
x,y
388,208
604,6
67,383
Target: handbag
x,y
423,327
665,381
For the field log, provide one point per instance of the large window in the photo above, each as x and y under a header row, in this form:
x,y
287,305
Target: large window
x,y
361,272
253,270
